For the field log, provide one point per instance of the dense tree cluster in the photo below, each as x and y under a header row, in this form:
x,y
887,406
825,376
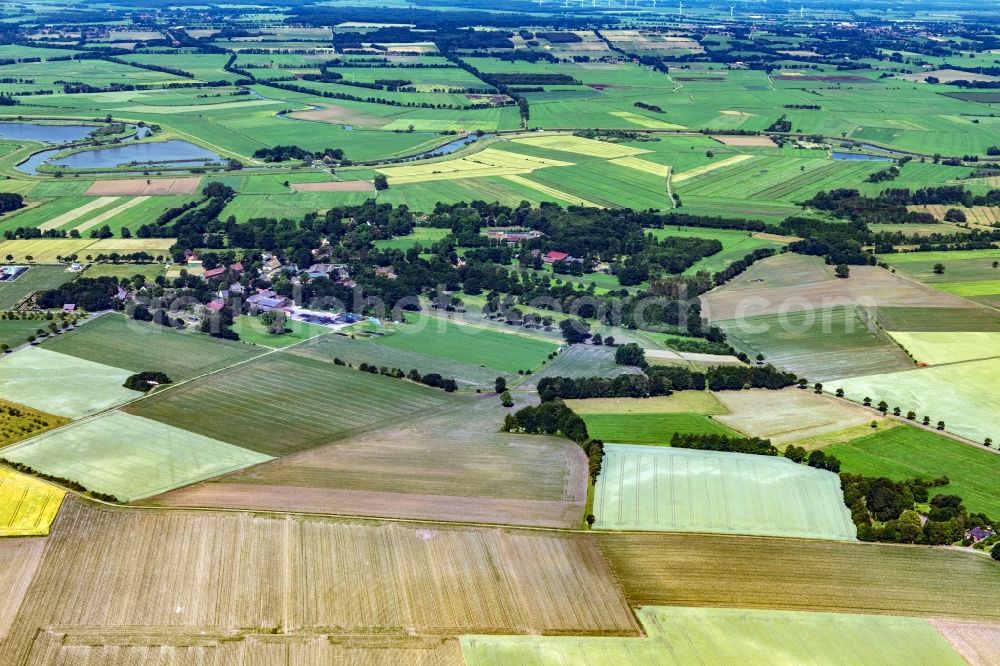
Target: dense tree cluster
x,y
10,201
145,381
285,153
708,442
555,418
886,510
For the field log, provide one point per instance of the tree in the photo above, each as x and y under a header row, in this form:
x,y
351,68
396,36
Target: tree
x,y
630,354
842,271
883,406
908,526
927,420
381,182
954,215
988,442
499,384
996,264
506,400
911,415
818,388
940,425
939,269
574,331
995,553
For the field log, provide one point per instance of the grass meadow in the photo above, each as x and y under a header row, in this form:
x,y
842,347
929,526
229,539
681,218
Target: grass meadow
x,y
465,343
684,490
35,279
912,453
113,339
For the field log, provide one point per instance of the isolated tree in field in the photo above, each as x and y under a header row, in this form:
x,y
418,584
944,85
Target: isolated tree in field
x,y
381,182
927,420
597,339
868,401
911,416
939,269
995,553
842,271
5,348
896,411
996,264
883,406
506,400
840,393
818,388
940,425
988,442
760,358
500,384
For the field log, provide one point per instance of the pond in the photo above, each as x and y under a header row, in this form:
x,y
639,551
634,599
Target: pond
x,y
449,147
860,157
44,133
172,151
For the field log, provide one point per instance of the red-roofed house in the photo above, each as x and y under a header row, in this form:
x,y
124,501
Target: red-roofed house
x,y
236,268
216,305
554,256
214,273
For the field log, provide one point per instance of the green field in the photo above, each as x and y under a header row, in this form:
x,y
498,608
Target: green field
x,y
61,384
654,429
967,273
425,236
920,319
361,350
817,344
254,332
684,490
681,636
128,271
15,332
936,347
282,403
35,279
912,453
962,395
130,457
112,339
475,345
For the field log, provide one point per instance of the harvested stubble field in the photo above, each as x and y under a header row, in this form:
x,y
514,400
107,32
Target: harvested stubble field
x,y
681,490
582,361
133,187
788,415
369,351
113,339
61,384
738,572
793,282
282,403
19,558
27,505
130,457
108,571
682,636
977,642
908,453
568,143
451,464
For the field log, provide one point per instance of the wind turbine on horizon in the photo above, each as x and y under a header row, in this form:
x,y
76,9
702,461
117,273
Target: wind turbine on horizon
x,y
731,8
680,8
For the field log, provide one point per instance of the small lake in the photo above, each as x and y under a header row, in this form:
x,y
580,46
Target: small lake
x,y
173,151
860,157
449,147
44,133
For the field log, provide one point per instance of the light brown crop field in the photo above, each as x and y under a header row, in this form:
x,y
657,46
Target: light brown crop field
x,y
451,464
760,572
978,642
134,187
794,283
19,559
121,576
788,415
139,646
